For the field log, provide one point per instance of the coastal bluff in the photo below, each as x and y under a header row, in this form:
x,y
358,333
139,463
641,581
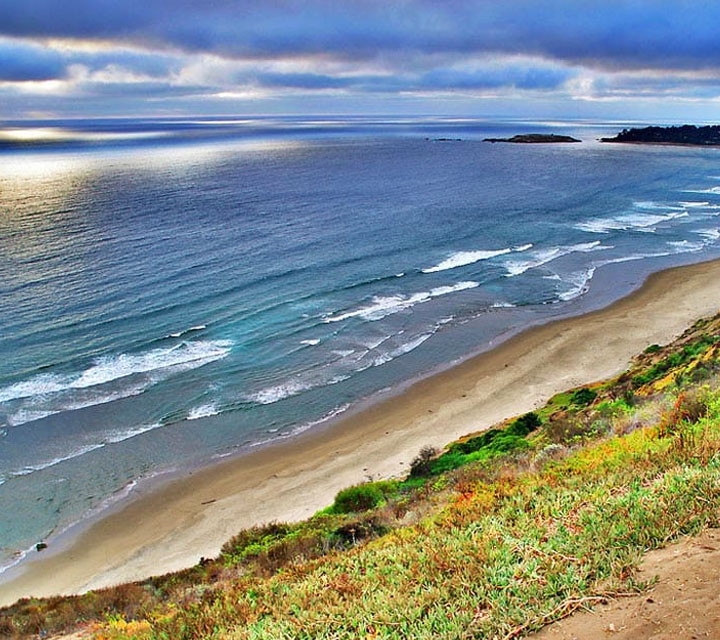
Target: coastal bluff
x,y
687,134
534,138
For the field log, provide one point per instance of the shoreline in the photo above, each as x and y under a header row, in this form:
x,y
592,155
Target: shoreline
x,y
170,526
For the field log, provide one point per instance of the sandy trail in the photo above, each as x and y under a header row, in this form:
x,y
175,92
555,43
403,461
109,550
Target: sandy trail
x,y
684,605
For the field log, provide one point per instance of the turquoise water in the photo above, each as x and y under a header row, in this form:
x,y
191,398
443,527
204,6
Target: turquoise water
x,y
173,292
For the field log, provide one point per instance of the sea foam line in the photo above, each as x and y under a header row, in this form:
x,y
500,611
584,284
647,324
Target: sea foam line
x,y
382,306
203,411
463,258
113,437
198,327
543,256
580,281
349,367
109,368
636,221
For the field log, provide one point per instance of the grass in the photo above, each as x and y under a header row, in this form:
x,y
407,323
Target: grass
x,y
496,536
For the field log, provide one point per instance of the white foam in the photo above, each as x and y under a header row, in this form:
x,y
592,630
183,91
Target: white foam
x,y
631,258
710,234
401,350
711,190
279,392
343,369
51,463
543,256
203,411
43,407
296,430
463,258
580,282
635,221
111,437
310,343
685,246
199,327
382,306
692,204
109,368
118,436
503,305
660,206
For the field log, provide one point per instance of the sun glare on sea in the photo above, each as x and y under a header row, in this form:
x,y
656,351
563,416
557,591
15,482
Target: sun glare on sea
x,y
32,134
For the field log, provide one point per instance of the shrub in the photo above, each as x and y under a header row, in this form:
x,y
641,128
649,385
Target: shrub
x,y
525,424
353,532
361,497
653,348
420,466
583,397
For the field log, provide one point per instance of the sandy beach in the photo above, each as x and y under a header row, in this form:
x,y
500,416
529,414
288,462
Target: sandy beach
x,y
171,526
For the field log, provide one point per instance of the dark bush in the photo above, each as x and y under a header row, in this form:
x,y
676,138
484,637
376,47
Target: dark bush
x,y
420,466
524,424
653,348
583,397
353,532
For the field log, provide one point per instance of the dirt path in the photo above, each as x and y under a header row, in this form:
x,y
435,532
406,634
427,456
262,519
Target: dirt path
x,y
684,605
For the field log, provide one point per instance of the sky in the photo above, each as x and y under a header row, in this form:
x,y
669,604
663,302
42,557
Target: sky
x,y
623,59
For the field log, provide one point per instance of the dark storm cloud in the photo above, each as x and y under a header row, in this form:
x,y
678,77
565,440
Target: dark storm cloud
x,y
604,34
526,78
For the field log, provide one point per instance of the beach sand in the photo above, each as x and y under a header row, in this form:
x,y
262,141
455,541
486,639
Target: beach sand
x,y
171,526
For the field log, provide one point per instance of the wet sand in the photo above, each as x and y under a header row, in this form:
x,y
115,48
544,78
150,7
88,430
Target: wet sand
x,y
172,525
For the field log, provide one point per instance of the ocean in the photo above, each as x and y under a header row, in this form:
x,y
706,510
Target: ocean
x,y
176,291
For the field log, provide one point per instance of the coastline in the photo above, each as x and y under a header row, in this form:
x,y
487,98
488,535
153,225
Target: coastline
x,y
172,526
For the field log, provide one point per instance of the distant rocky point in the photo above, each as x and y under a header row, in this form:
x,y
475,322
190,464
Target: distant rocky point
x,y
534,138
687,134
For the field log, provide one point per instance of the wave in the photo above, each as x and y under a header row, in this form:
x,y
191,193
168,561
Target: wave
x,y
382,306
310,343
685,246
636,221
341,370
709,234
271,395
710,190
690,204
110,368
43,407
203,411
295,431
657,206
401,350
580,281
112,437
543,256
463,258
199,327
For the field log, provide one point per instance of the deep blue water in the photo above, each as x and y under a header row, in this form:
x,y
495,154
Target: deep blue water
x,y
176,291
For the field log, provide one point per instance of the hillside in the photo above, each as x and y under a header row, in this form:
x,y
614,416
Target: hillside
x,y
498,535
687,134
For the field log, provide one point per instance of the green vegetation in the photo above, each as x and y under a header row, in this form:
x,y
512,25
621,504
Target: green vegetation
x,y
688,353
496,536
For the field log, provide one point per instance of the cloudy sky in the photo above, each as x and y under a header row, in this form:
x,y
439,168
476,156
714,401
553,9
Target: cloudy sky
x,y
584,58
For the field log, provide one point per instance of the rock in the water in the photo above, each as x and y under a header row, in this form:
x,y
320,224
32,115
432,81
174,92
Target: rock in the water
x,y
534,138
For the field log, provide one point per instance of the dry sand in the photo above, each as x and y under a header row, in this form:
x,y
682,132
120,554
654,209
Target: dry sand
x,y
172,526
